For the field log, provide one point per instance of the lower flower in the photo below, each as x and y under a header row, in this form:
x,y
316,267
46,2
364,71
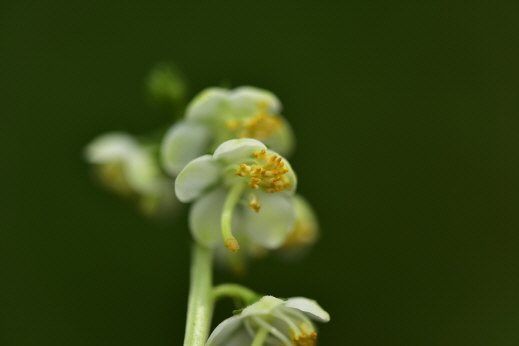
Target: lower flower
x,y
276,321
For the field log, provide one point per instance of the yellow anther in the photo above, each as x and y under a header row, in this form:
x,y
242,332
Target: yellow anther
x,y
232,124
261,126
305,340
255,203
245,168
267,174
256,171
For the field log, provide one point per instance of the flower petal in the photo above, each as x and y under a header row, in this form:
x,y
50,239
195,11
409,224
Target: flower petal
x,y
310,307
207,105
224,331
196,177
205,217
262,307
273,223
182,143
240,338
246,100
110,146
237,150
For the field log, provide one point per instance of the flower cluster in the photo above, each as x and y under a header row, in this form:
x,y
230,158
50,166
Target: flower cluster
x,y
217,115
228,156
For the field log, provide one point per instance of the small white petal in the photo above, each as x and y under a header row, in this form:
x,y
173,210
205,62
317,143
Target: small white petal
x,y
196,177
205,217
262,307
237,151
110,146
240,338
273,223
223,331
310,307
246,100
182,143
207,105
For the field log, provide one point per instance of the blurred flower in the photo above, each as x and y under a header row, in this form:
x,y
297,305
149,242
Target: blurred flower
x,y
217,115
131,170
305,232
282,322
243,187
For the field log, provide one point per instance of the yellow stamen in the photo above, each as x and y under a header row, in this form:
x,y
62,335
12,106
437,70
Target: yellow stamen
x,y
255,203
306,340
261,126
268,174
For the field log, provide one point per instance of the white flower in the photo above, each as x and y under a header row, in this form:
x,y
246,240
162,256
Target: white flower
x,y
287,323
217,115
245,184
131,170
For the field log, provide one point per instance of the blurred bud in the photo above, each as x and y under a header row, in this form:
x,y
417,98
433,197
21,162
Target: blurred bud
x,y
167,87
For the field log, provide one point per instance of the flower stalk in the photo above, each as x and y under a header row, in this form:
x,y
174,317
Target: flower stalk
x,y
200,302
246,295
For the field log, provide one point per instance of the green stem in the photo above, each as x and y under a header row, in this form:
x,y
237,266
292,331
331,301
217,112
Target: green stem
x,y
228,208
248,296
200,302
260,337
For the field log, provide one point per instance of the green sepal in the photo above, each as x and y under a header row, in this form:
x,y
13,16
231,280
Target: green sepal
x,y
237,312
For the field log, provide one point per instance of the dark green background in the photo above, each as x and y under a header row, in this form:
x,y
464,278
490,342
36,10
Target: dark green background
x,y
406,115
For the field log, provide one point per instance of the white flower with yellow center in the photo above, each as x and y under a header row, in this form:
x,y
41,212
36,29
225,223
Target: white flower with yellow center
x,y
131,170
243,186
271,321
217,115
